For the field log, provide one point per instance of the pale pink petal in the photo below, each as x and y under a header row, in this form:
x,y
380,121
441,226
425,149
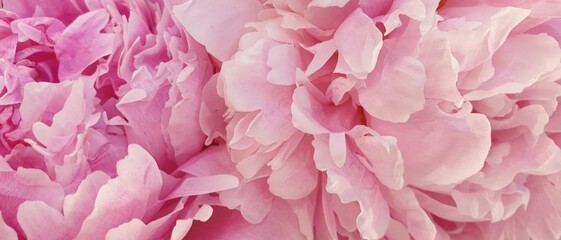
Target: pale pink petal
x,y
383,156
246,89
409,213
313,114
396,91
81,44
77,111
353,183
298,169
476,32
6,231
438,147
159,228
79,205
245,82
338,148
518,63
283,60
358,42
214,160
322,53
182,226
193,186
506,160
185,135
27,185
218,25
542,217
440,67
50,221
328,3
138,184
29,8
212,109
413,9
144,117
44,31
253,200
281,223
373,219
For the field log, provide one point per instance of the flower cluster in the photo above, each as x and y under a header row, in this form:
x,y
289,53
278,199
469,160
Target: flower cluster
x,y
280,119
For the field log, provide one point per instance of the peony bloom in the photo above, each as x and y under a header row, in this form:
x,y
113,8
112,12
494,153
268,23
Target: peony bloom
x,y
100,106
280,119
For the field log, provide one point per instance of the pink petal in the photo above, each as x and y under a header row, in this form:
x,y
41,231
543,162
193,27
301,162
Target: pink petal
x,y
81,44
396,92
6,231
281,223
283,60
212,108
438,147
29,8
296,170
411,214
145,129
440,67
383,155
48,227
353,183
516,68
253,200
313,114
193,186
138,184
218,25
472,46
322,53
159,228
542,217
27,185
358,42
328,3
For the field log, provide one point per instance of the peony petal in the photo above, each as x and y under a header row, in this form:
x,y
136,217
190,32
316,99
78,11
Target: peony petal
x,y
138,184
88,45
440,66
313,114
6,231
281,223
397,93
76,208
218,25
476,32
383,155
297,170
160,228
438,147
145,129
322,53
49,224
542,217
27,185
358,42
253,199
411,214
203,185
515,68
283,60
56,9
328,3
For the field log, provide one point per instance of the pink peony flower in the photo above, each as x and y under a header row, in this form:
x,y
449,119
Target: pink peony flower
x,y
85,81
280,119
